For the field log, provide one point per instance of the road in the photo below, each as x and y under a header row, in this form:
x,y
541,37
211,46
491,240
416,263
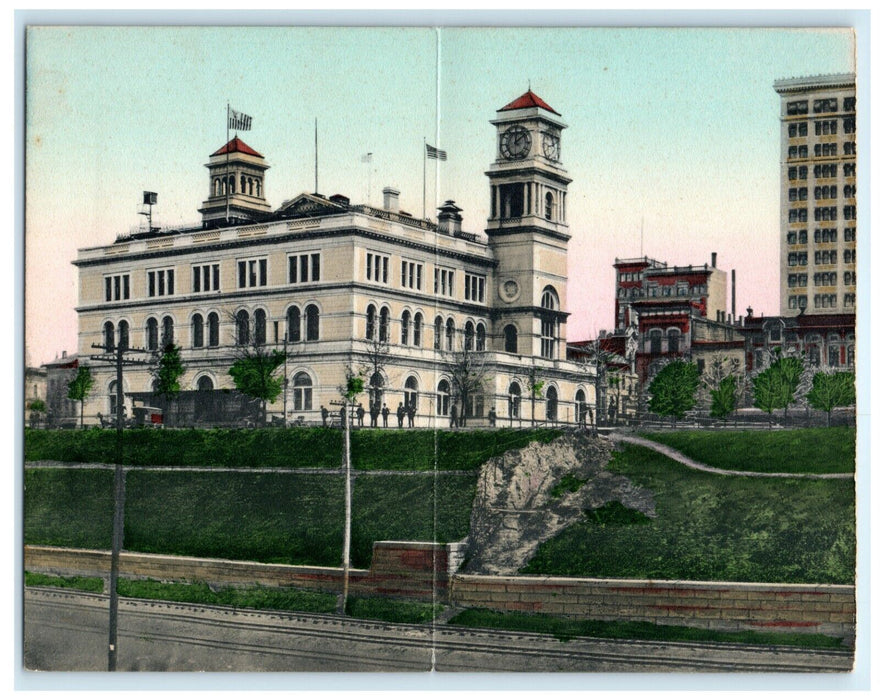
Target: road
x,y
67,631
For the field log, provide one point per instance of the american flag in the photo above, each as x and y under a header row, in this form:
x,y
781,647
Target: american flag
x,y
435,153
239,121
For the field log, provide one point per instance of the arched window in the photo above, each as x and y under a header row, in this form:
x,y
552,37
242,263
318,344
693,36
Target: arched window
x,y
580,406
552,403
672,337
469,336
205,383
213,329
481,337
198,331
111,391
443,398
167,331
438,332
417,330
404,328
375,388
109,336
549,207
260,327
259,188
123,334
302,392
411,393
232,184
514,398
655,339
152,334
293,325
450,334
510,338
242,328
383,324
243,184
371,322
549,302
312,322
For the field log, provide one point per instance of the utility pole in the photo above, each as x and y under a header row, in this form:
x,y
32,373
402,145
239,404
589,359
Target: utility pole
x,y
116,355
346,537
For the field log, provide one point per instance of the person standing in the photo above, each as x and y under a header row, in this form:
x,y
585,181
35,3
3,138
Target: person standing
x,y
360,415
374,415
411,414
385,413
401,412
324,414
453,416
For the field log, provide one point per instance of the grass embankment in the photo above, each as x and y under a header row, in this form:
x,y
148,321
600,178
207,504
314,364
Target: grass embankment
x,y
802,451
711,527
566,629
281,518
292,448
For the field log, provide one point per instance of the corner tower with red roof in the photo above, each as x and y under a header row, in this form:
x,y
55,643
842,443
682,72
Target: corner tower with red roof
x,y
238,195
527,227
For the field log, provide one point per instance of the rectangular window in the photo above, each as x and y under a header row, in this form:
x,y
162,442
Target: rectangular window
x,y
377,268
410,275
206,278
444,282
252,273
475,288
849,234
160,283
799,107
116,287
304,267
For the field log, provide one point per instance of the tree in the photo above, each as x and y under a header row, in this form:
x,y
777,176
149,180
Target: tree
x,y
777,385
722,386
167,372
80,387
832,389
467,374
254,374
597,359
673,389
535,387
377,355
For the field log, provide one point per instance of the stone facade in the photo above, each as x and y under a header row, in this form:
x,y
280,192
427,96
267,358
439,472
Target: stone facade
x,y
327,279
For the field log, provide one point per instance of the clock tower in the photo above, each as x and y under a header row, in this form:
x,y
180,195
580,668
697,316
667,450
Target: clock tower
x,y
527,228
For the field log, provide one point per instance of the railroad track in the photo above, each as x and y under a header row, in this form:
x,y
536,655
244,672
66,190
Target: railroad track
x,y
158,635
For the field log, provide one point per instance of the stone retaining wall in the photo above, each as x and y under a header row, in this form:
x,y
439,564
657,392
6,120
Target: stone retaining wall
x,y
412,569
823,609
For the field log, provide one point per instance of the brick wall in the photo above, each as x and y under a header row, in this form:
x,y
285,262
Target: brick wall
x,y
411,570
823,609
402,569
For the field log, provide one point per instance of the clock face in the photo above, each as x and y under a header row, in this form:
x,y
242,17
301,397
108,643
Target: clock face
x,y
515,143
551,146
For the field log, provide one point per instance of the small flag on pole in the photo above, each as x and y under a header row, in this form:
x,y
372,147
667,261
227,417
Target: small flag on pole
x,y
367,158
239,121
434,153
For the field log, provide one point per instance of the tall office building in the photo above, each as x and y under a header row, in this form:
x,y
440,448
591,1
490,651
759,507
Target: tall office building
x,y
818,195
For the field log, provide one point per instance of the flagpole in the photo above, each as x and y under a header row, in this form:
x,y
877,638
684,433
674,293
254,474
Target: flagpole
x,y
316,155
226,188
424,171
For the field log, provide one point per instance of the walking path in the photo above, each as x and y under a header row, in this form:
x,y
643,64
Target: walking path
x,y
672,453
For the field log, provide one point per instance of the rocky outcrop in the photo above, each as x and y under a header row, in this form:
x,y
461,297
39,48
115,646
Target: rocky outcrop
x,y
526,496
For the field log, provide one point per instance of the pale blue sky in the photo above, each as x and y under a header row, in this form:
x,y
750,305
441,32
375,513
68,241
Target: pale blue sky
x,y
676,127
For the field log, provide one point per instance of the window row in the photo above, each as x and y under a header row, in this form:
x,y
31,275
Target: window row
x,y
825,279
849,256
654,342
825,257
795,237
798,280
825,301
797,129
246,185
825,170
825,235
849,234
797,301
849,278
825,149
824,127
797,259
849,148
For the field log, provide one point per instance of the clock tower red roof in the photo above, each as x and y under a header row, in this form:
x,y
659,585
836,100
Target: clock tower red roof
x,y
237,146
528,99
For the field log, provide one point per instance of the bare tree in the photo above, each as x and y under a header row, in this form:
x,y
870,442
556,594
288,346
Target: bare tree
x,y
595,366
535,386
467,373
377,356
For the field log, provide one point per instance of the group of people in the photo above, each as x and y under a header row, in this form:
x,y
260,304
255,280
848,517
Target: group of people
x,y
376,410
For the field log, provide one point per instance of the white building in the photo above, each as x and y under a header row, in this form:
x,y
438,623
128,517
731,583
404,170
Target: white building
x,y
328,275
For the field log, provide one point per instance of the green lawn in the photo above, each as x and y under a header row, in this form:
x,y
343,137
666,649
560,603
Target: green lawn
x,y
804,450
283,518
293,448
711,527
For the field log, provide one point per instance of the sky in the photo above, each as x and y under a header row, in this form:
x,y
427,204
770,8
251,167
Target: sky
x,y
673,139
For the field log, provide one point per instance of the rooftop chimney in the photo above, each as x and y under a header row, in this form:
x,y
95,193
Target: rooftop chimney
x,y
390,199
733,293
714,259
449,219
